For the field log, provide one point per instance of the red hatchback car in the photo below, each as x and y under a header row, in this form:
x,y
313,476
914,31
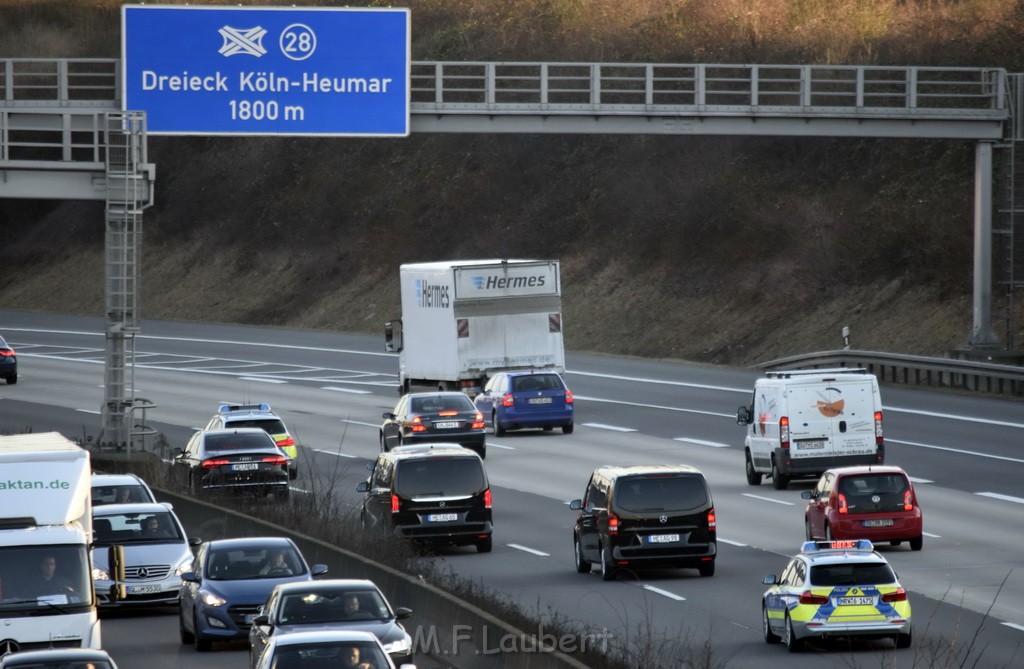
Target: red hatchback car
x,y
866,502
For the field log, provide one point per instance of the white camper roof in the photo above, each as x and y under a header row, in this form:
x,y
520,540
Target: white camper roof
x,y
448,264
41,446
46,477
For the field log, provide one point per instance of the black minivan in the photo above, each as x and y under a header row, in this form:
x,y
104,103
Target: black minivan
x,y
435,494
645,517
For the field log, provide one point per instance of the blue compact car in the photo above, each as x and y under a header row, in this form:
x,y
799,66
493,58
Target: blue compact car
x,y
514,400
230,580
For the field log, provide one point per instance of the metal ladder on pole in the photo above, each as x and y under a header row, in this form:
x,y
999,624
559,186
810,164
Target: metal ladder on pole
x,y
1009,223
127,194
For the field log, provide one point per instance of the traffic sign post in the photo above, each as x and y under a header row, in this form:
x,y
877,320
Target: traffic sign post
x,y
267,71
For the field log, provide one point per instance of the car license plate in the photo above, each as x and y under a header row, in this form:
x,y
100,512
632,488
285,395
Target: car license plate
x,y
856,601
539,400
442,517
662,538
245,466
447,425
143,589
878,522
810,445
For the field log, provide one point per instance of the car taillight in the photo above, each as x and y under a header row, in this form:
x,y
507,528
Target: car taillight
x,y
908,500
213,463
478,421
487,498
807,597
841,506
276,459
712,520
899,596
287,441
568,397
508,400
6,352
394,504
416,424
613,524
448,413
878,428
784,432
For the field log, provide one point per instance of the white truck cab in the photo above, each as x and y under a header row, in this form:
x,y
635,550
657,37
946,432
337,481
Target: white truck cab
x,y
802,422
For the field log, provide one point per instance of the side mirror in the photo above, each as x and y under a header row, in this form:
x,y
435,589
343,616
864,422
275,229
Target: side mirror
x,y
743,416
576,504
402,613
261,619
363,486
319,569
770,579
190,577
807,494
387,415
194,541
176,452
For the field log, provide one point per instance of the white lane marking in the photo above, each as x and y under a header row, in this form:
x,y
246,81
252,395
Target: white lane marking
x,y
338,453
663,593
1005,498
529,550
93,411
932,536
615,428
956,450
1015,626
745,391
507,448
346,390
768,499
701,442
359,422
914,479
656,406
731,543
971,419
260,379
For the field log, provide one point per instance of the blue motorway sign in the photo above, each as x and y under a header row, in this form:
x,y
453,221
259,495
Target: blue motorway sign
x,y
210,70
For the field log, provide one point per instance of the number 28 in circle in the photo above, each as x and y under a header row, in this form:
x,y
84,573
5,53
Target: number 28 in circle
x,y
298,41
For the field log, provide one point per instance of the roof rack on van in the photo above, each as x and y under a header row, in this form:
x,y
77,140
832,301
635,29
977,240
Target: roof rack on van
x,y
789,373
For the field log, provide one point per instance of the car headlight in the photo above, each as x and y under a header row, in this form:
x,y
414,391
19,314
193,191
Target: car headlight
x,y
100,574
186,565
400,646
211,599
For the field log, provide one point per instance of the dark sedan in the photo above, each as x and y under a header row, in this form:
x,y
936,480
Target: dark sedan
x,y
343,604
8,362
421,418
240,460
230,580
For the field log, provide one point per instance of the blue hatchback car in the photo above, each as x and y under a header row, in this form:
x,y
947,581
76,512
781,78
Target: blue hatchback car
x,y
514,400
231,579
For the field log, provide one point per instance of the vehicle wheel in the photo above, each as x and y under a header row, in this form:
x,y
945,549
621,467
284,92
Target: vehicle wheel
x,y
187,637
707,568
807,530
383,448
779,482
769,635
753,477
903,640
917,543
496,426
567,429
607,568
202,645
582,566
793,644
12,379
485,545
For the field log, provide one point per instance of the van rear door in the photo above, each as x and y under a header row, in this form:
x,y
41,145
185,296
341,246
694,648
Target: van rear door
x,y
832,418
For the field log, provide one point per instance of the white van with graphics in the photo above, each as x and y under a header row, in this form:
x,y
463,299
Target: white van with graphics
x,y
802,422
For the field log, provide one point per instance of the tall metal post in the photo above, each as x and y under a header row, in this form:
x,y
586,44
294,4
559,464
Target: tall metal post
x,y
982,333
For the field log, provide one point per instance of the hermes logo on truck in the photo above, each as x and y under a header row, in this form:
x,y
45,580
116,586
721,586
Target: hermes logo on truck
x,y
494,282
431,295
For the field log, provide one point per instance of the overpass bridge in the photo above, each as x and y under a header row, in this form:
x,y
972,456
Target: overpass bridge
x,y
64,135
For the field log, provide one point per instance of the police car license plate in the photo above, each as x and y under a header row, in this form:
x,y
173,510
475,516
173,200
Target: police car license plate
x,y
245,466
662,538
447,425
143,589
878,522
810,445
442,517
856,601
539,400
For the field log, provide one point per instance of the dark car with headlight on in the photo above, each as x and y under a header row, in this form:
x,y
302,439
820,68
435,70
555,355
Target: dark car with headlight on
x,y
230,580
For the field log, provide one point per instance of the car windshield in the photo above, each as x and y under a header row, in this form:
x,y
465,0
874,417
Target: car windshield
x,y
329,654
237,442
852,573
120,494
440,476
536,382
332,605
439,403
660,493
250,563
130,528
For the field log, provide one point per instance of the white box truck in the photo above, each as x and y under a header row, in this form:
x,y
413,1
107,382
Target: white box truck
x,y
46,586
462,321
802,422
